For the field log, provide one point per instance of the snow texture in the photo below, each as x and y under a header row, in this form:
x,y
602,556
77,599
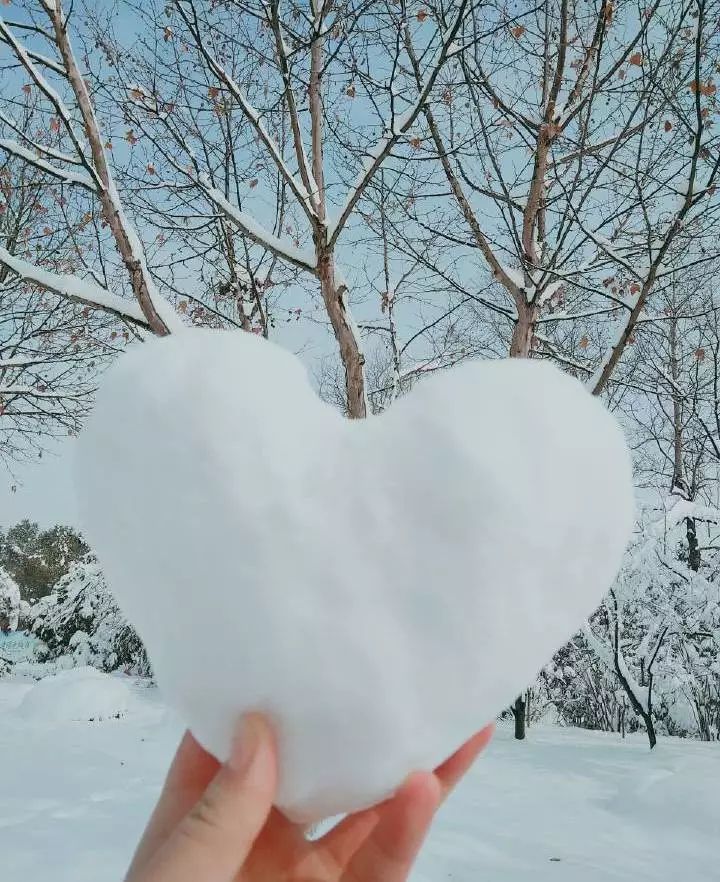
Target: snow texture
x,y
380,588
78,695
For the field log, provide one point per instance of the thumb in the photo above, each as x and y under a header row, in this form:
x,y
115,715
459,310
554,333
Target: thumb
x,y
212,842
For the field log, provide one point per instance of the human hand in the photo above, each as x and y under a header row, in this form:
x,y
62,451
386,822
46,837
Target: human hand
x,y
216,823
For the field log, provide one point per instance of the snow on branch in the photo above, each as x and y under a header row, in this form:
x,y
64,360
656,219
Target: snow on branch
x,y
159,314
153,310
39,58
601,650
607,248
41,149
72,287
63,175
396,128
24,58
247,224
251,113
159,305
680,510
621,330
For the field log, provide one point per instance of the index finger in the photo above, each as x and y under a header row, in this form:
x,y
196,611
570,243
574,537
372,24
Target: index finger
x,y
453,769
189,774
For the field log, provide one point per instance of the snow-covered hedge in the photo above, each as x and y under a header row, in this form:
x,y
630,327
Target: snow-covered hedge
x,y
81,619
9,602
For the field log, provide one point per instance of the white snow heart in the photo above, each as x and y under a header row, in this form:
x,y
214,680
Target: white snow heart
x,y
380,588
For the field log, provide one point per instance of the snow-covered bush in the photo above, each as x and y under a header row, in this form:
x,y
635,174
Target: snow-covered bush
x,y
583,692
650,656
81,619
661,628
9,602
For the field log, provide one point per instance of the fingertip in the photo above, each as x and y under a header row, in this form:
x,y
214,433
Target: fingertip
x,y
421,793
190,747
402,826
455,766
192,766
482,738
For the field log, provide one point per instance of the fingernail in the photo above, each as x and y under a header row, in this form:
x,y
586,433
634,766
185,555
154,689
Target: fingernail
x,y
246,742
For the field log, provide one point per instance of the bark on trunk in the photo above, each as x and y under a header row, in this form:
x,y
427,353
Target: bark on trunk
x,y
106,193
679,483
645,715
650,726
352,357
334,292
522,336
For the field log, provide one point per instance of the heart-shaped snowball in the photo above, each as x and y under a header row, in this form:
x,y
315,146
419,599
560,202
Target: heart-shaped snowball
x,y
379,588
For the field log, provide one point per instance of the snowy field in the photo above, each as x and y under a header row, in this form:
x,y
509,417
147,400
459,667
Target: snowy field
x,y
565,805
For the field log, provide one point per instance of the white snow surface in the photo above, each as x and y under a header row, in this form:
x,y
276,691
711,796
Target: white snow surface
x,y
379,588
563,806
81,694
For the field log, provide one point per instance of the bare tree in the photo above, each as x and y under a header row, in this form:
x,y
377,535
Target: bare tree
x,y
322,90
179,126
83,166
50,347
576,173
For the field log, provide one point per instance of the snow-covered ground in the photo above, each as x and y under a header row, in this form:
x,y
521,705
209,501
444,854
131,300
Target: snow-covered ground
x,y
565,805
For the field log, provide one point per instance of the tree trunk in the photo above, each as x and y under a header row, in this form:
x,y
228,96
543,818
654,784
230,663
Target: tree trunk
x,y
334,290
522,336
645,715
694,559
528,699
642,713
334,296
519,712
126,242
520,347
650,726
